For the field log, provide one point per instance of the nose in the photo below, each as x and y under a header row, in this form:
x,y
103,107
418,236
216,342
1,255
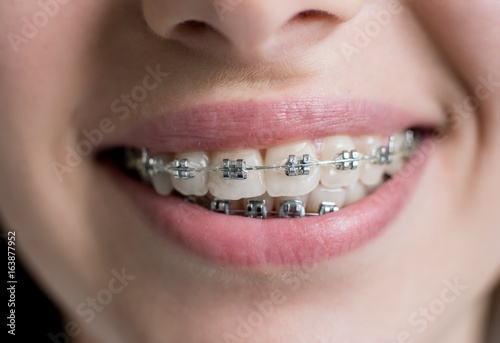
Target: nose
x,y
249,27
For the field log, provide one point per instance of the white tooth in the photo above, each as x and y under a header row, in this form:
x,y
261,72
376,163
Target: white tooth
x,y
354,193
396,165
269,201
370,174
197,186
330,176
161,182
303,198
321,194
278,184
253,186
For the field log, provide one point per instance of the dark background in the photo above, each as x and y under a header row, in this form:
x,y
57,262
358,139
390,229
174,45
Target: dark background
x,y
36,316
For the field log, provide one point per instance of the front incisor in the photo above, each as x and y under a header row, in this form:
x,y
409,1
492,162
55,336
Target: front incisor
x,y
279,184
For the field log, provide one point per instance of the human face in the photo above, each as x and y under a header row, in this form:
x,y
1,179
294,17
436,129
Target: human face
x,y
227,79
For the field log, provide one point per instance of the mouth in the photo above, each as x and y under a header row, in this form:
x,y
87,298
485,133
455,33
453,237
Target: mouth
x,y
246,202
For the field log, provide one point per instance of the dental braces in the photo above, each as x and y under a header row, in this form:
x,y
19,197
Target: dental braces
x,y
257,209
149,166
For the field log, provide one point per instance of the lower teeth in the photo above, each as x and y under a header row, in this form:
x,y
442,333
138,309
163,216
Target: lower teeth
x,y
258,208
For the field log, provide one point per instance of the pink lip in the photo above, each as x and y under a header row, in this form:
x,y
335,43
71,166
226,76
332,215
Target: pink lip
x,y
239,241
249,124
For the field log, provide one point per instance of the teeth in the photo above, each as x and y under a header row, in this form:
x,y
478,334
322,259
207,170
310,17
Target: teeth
x,y
288,180
354,193
396,165
279,184
198,185
370,174
330,176
162,182
253,186
323,194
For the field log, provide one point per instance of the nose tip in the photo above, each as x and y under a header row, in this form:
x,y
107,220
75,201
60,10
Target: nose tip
x,y
248,27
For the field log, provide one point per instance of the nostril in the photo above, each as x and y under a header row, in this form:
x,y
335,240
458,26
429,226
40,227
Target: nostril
x,y
197,34
195,24
314,15
193,27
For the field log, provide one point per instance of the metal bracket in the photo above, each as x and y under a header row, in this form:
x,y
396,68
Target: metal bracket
x,y
327,207
296,167
220,206
383,155
292,209
182,169
256,209
234,170
348,160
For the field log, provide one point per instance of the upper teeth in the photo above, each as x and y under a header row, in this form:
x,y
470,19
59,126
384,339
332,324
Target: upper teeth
x,y
241,174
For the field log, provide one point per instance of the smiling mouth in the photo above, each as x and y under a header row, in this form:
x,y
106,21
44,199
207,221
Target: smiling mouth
x,y
320,177
262,184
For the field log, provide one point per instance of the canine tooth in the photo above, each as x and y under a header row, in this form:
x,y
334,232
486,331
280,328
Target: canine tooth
x,y
198,185
279,184
397,164
161,182
323,194
253,186
330,176
354,193
370,174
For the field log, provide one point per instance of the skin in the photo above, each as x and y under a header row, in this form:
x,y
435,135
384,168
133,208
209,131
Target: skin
x,y
427,59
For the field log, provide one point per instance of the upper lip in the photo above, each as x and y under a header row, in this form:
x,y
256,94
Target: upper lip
x,y
261,124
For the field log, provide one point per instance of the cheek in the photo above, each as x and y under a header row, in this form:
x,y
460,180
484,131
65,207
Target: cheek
x,y
43,76
467,33
44,62
43,73
33,99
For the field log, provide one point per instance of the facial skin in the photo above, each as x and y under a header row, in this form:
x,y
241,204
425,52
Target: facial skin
x,y
427,59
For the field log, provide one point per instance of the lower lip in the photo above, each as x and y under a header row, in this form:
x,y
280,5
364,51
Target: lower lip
x,y
245,242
